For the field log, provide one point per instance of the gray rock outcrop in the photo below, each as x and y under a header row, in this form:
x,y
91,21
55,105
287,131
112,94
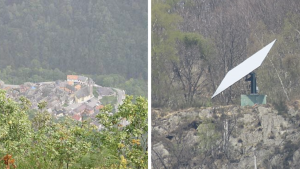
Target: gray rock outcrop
x,y
228,137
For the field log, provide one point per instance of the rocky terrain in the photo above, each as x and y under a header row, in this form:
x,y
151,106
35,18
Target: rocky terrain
x,y
229,137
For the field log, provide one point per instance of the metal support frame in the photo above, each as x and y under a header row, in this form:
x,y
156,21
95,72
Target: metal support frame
x,y
252,78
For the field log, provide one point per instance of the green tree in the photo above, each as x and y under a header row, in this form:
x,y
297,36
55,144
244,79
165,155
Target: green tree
x,y
124,134
44,143
189,71
14,126
165,32
15,130
208,135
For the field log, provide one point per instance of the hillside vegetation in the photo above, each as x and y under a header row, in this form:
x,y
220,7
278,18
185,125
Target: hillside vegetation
x,y
45,40
44,142
195,43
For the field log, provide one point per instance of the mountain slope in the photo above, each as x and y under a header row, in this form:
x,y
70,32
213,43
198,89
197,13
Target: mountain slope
x,y
88,37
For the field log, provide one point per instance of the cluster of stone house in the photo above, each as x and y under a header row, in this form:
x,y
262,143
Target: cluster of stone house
x,y
72,97
80,87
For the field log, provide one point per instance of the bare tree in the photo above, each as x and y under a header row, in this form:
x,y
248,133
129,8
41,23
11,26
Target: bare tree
x,y
191,67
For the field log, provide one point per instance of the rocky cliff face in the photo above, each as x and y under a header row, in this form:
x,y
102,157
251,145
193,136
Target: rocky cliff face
x,y
229,137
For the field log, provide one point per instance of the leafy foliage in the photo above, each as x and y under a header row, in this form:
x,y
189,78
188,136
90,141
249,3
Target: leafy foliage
x,y
14,126
43,143
124,132
208,136
164,33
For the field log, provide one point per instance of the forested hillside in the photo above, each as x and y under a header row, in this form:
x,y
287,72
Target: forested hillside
x,y
195,43
43,40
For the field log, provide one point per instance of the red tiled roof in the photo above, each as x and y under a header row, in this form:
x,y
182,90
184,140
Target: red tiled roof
x,y
78,87
72,77
99,107
77,117
70,82
7,88
89,111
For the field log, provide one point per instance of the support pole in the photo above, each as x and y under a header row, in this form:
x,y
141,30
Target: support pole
x,y
253,84
252,78
255,167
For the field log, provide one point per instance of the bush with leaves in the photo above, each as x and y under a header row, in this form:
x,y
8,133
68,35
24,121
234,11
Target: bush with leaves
x,y
43,143
15,130
124,134
40,143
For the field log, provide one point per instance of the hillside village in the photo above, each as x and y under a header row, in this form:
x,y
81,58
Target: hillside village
x,y
72,97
